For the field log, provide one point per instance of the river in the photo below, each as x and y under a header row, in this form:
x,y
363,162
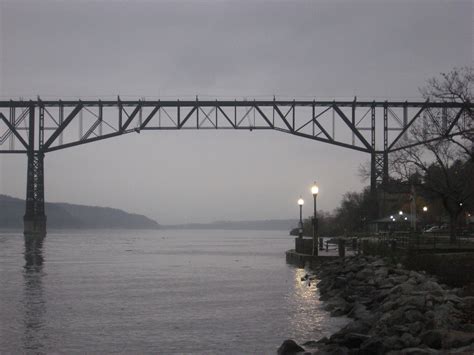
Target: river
x,y
162,292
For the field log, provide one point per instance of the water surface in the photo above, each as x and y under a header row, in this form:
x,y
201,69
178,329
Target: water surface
x,y
166,291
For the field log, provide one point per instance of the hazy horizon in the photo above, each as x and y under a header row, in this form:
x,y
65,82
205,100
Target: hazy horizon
x,y
216,49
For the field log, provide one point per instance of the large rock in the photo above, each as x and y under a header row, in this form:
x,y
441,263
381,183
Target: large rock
x,y
340,282
415,328
378,262
393,342
332,349
433,339
417,301
289,347
364,274
336,303
389,305
358,326
359,311
374,345
409,340
354,340
432,287
446,316
414,351
457,339
413,315
403,288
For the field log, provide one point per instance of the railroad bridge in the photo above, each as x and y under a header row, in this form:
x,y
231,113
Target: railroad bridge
x,y
378,128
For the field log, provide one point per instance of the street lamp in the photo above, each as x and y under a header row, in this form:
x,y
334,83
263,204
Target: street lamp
x,y
301,203
314,191
400,213
425,210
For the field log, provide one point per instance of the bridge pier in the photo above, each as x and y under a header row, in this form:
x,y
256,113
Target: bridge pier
x,y
34,220
378,179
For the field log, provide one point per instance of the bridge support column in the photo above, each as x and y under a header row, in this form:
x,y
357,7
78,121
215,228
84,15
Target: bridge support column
x,y
35,218
374,209
378,178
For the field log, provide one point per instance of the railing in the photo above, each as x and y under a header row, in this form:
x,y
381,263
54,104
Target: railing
x,y
394,243
409,241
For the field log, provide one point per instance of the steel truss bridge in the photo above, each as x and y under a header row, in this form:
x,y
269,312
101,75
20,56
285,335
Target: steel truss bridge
x,y
377,128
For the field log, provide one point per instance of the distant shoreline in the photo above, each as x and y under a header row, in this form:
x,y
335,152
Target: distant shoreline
x,y
66,216
272,224
72,216
166,228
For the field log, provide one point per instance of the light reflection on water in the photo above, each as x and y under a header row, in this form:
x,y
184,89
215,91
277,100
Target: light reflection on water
x,y
155,292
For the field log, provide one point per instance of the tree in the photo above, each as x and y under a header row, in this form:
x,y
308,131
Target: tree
x,y
446,165
354,211
457,86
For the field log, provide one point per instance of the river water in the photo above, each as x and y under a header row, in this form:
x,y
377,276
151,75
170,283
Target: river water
x,y
161,292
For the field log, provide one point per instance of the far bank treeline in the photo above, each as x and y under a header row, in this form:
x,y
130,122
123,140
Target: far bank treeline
x,y
69,216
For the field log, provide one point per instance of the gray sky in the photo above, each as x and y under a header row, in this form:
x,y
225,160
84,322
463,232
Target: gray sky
x,y
231,49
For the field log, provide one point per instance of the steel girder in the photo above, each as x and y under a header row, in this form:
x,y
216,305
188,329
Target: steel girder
x,y
343,123
374,127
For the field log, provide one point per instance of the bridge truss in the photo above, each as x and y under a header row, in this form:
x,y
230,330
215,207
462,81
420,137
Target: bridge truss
x,y
377,128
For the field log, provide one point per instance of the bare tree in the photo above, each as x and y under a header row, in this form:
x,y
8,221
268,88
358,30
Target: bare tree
x,y
447,164
457,85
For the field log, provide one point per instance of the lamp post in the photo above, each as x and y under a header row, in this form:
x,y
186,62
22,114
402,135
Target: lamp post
x,y
425,210
300,230
314,191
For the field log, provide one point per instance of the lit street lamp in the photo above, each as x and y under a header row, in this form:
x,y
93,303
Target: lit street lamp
x,y
425,210
301,203
314,191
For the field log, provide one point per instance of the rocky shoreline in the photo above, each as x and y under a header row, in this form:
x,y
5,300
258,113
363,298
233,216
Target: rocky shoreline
x,y
392,310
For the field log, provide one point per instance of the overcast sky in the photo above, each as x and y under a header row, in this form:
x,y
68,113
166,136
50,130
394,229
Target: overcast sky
x,y
233,49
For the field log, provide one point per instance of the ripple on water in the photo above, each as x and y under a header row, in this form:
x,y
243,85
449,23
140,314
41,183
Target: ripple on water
x,y
157,292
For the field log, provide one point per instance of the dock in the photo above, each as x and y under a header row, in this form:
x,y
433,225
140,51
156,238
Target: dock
x,y
302,255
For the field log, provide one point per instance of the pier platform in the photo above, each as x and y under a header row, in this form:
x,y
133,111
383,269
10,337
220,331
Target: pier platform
x,y
302,260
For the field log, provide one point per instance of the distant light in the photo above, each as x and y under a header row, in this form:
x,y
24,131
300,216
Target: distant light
x,y
300,202
460,204
400,213
314,189
391,217
425,209
406,218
